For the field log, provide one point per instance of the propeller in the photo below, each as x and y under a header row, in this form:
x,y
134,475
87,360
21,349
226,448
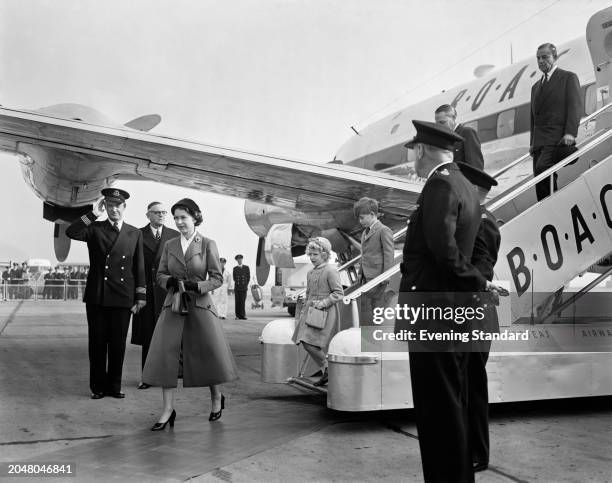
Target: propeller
x,y
61,243
262,269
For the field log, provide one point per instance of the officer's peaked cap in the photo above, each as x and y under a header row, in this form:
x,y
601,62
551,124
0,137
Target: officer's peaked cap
x,y
434,134
476,176
115,194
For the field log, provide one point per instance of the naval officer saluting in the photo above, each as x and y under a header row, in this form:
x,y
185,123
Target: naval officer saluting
x,y
115,288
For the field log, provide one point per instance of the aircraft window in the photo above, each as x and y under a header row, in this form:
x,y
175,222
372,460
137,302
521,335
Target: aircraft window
x,y
590,99
505,123
394,128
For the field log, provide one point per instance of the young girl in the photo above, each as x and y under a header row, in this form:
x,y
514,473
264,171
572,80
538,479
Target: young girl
x,y
323,291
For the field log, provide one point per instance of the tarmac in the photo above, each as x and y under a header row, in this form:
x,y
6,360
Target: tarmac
x,y
268,432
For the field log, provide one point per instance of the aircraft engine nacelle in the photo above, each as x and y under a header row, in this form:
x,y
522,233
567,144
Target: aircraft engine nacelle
x,y
277,245
285,241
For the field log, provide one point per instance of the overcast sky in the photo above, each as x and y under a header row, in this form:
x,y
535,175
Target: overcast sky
x,y
280,77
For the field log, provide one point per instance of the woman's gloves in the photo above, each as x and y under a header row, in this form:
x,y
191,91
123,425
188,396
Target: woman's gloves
x,y
172,283
191,286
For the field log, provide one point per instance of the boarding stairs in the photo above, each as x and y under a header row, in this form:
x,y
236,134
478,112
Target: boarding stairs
x,y
543,234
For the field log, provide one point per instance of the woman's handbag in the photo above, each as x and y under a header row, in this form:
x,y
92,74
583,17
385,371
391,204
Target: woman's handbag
x,y
316,318
180,300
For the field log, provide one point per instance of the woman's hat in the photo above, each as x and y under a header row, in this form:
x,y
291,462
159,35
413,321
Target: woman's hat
x,y
190,204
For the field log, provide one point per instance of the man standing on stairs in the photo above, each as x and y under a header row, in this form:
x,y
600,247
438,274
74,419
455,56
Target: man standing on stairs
x,y
556,108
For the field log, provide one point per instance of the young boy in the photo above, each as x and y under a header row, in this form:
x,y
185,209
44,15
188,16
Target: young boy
x,y
377,254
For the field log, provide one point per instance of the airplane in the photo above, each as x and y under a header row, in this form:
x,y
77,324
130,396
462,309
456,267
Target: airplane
x,y
69,152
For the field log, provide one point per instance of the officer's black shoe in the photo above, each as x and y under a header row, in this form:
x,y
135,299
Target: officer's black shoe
x,y
97,395
116,395
480,467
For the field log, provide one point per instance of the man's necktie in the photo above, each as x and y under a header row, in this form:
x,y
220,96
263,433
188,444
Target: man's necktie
x,y
545,79
116,227
157,236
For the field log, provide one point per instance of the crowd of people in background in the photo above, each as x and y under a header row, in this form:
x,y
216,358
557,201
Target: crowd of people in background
x,y
20,282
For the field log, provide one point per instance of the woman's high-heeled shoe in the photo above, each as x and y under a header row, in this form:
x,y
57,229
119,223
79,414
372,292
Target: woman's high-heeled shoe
x,y
214,416
162,426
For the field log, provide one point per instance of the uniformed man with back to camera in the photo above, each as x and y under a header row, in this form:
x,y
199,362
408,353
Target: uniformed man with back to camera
x,y
436,261
484,257
116,287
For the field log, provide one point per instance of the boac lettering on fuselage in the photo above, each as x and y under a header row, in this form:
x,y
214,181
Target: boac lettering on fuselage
x,y
507,93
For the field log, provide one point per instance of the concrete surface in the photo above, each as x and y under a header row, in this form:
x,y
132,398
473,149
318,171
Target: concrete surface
x,y
267,433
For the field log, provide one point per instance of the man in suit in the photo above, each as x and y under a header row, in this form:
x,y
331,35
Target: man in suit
x,y
484,257
466,151
241,276
436,266
377,255
116,288
556,108
154,237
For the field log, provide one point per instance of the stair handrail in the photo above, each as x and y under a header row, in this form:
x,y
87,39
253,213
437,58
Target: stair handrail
x,y
522,158
550,171
366,287
577,295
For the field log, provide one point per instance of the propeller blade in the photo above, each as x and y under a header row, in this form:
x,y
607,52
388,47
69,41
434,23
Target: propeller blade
x,y
61,243
262,269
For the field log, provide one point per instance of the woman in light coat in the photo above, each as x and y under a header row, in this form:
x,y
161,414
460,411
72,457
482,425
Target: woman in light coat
x,y
220,294
323,291
207,359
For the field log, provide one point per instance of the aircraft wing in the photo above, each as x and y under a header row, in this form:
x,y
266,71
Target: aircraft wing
x,y
288,183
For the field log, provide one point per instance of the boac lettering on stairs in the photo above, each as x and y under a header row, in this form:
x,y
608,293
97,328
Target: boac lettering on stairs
x,y
568,230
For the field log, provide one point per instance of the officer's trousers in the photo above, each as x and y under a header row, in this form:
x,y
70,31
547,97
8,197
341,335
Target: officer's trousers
x,y
107,331
439,389
478,406
239,299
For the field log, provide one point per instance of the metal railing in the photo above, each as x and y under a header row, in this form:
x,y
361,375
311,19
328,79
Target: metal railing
x,y
27,289
524,157
550,171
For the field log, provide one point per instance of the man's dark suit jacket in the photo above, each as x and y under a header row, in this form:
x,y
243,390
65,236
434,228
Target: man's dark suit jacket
x,y
469,150
556,108
143,323
116,263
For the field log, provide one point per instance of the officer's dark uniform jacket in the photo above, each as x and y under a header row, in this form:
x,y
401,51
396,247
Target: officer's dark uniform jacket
x,y
435,247
116,275
484,258
242,276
